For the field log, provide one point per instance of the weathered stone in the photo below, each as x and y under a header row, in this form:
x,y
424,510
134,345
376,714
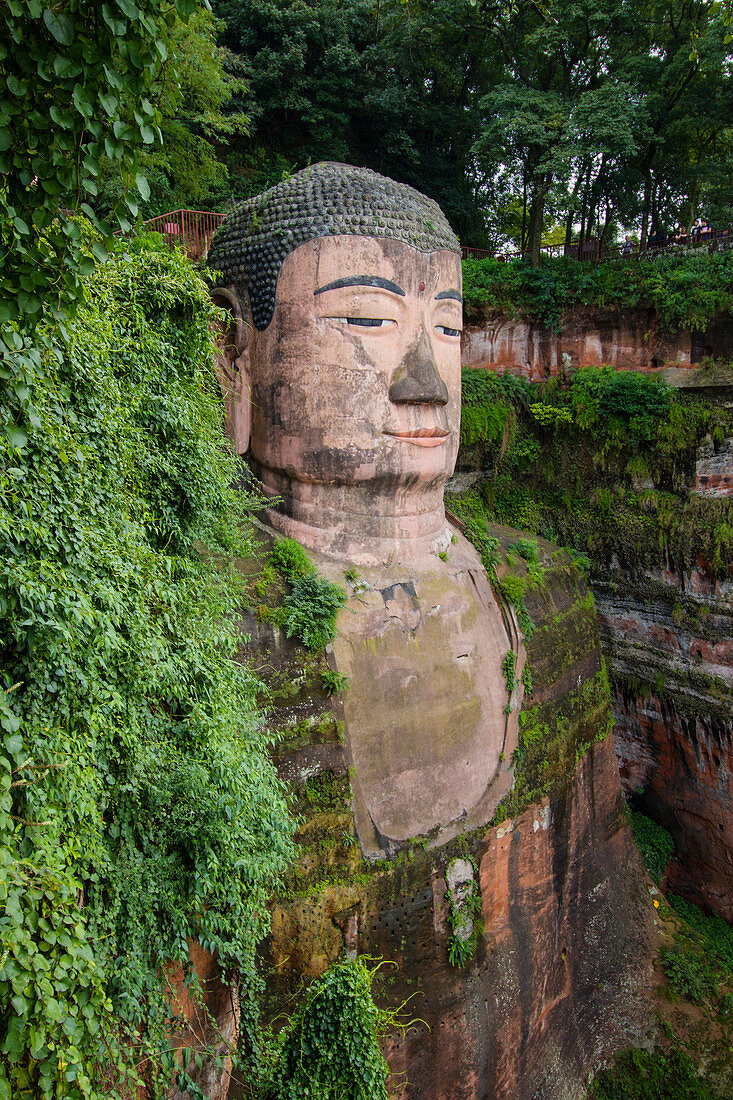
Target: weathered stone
x,y
627,340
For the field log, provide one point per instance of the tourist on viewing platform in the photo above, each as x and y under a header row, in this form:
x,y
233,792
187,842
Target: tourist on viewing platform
x,y
706,231
628,246
680,236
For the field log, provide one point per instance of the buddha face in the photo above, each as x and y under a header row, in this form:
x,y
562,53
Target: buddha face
x,y
356,379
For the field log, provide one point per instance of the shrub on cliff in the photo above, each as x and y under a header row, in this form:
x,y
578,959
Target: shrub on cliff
x,y
138,807
684,289
610,478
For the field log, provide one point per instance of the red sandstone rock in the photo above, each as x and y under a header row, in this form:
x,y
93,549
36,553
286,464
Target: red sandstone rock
x,y
211,1022
559,981
628,340
683,765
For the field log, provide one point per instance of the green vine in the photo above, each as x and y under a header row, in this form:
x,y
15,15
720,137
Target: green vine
x,y
139,811
329,1050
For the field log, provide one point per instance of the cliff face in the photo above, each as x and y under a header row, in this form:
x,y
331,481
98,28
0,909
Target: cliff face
x,y
664,596
629,340
556,979
557,982
669,642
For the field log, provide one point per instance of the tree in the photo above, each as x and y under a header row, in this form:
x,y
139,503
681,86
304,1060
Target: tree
x,y
193,95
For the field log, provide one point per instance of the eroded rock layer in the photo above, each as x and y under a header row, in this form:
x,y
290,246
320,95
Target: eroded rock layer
x,y
669,639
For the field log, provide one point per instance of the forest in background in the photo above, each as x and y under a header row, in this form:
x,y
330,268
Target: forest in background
x,y
529,123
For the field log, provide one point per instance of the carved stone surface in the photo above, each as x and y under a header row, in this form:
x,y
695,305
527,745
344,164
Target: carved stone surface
x,y
353,367
323,200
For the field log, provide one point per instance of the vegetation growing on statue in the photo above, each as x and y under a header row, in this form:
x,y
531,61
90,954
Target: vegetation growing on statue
x,y
310,602
138,807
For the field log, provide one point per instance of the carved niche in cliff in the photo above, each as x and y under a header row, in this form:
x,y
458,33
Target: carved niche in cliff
x,y
342,362
345,293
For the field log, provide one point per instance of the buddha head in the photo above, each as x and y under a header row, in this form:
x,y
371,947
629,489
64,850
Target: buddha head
x,y
344,290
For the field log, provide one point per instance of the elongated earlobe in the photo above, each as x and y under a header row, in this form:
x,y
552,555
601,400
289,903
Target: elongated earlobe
x,y
232,366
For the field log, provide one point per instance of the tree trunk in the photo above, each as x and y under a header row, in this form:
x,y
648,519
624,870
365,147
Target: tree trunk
x,y
523,241
604,235
645,211
568,232
536,217
693,207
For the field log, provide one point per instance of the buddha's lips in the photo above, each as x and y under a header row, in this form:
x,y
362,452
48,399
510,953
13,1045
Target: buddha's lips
x,y
422,437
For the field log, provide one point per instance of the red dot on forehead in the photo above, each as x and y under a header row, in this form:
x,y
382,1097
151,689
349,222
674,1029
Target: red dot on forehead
x,y
422,286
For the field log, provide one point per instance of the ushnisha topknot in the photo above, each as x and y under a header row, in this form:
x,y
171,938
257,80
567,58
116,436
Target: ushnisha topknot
x,y
321,201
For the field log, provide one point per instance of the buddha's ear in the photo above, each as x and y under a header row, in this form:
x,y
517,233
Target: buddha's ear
x,y
233,367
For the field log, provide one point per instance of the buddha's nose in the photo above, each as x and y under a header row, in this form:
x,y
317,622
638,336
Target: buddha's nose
x,y
416,381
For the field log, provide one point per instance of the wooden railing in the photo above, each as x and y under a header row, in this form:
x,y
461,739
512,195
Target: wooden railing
x,y
192,231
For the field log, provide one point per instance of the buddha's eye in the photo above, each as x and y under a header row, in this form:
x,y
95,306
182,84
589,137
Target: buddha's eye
x,y
368,322
448,331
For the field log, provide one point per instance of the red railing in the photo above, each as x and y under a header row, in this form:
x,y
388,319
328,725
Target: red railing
x,y
190,230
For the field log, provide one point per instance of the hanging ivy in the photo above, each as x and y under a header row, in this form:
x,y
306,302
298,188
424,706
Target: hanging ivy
x,y
138,807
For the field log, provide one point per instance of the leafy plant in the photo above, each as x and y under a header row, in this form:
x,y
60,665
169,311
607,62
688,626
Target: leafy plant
x,y
527,549
74,90
655,844
717,933
289,557
508,667
309,611
139,811
653,1075
464,921
329,1050
334,682
689,968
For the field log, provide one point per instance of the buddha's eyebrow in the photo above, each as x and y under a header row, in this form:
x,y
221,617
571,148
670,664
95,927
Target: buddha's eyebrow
x,y
449,294
362,280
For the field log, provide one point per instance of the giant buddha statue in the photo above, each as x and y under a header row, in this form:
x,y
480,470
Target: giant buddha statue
x,y
345,293
342,369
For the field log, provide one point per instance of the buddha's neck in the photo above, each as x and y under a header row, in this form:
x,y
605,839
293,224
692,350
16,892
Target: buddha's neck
x,y
361,524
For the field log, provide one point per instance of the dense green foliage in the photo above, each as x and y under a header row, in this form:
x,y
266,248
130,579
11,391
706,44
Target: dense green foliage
x,y
655,844
655,1075
691,970
608,479
697,963
525,121
716,932
310,602
74,83
193,95
702,950
685,290
329,1049
139,808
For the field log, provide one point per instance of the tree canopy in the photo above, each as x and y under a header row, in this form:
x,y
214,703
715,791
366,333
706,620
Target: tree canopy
x,y
516,117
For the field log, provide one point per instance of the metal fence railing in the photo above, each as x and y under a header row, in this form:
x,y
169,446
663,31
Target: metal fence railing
x,y
192,231
592,251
